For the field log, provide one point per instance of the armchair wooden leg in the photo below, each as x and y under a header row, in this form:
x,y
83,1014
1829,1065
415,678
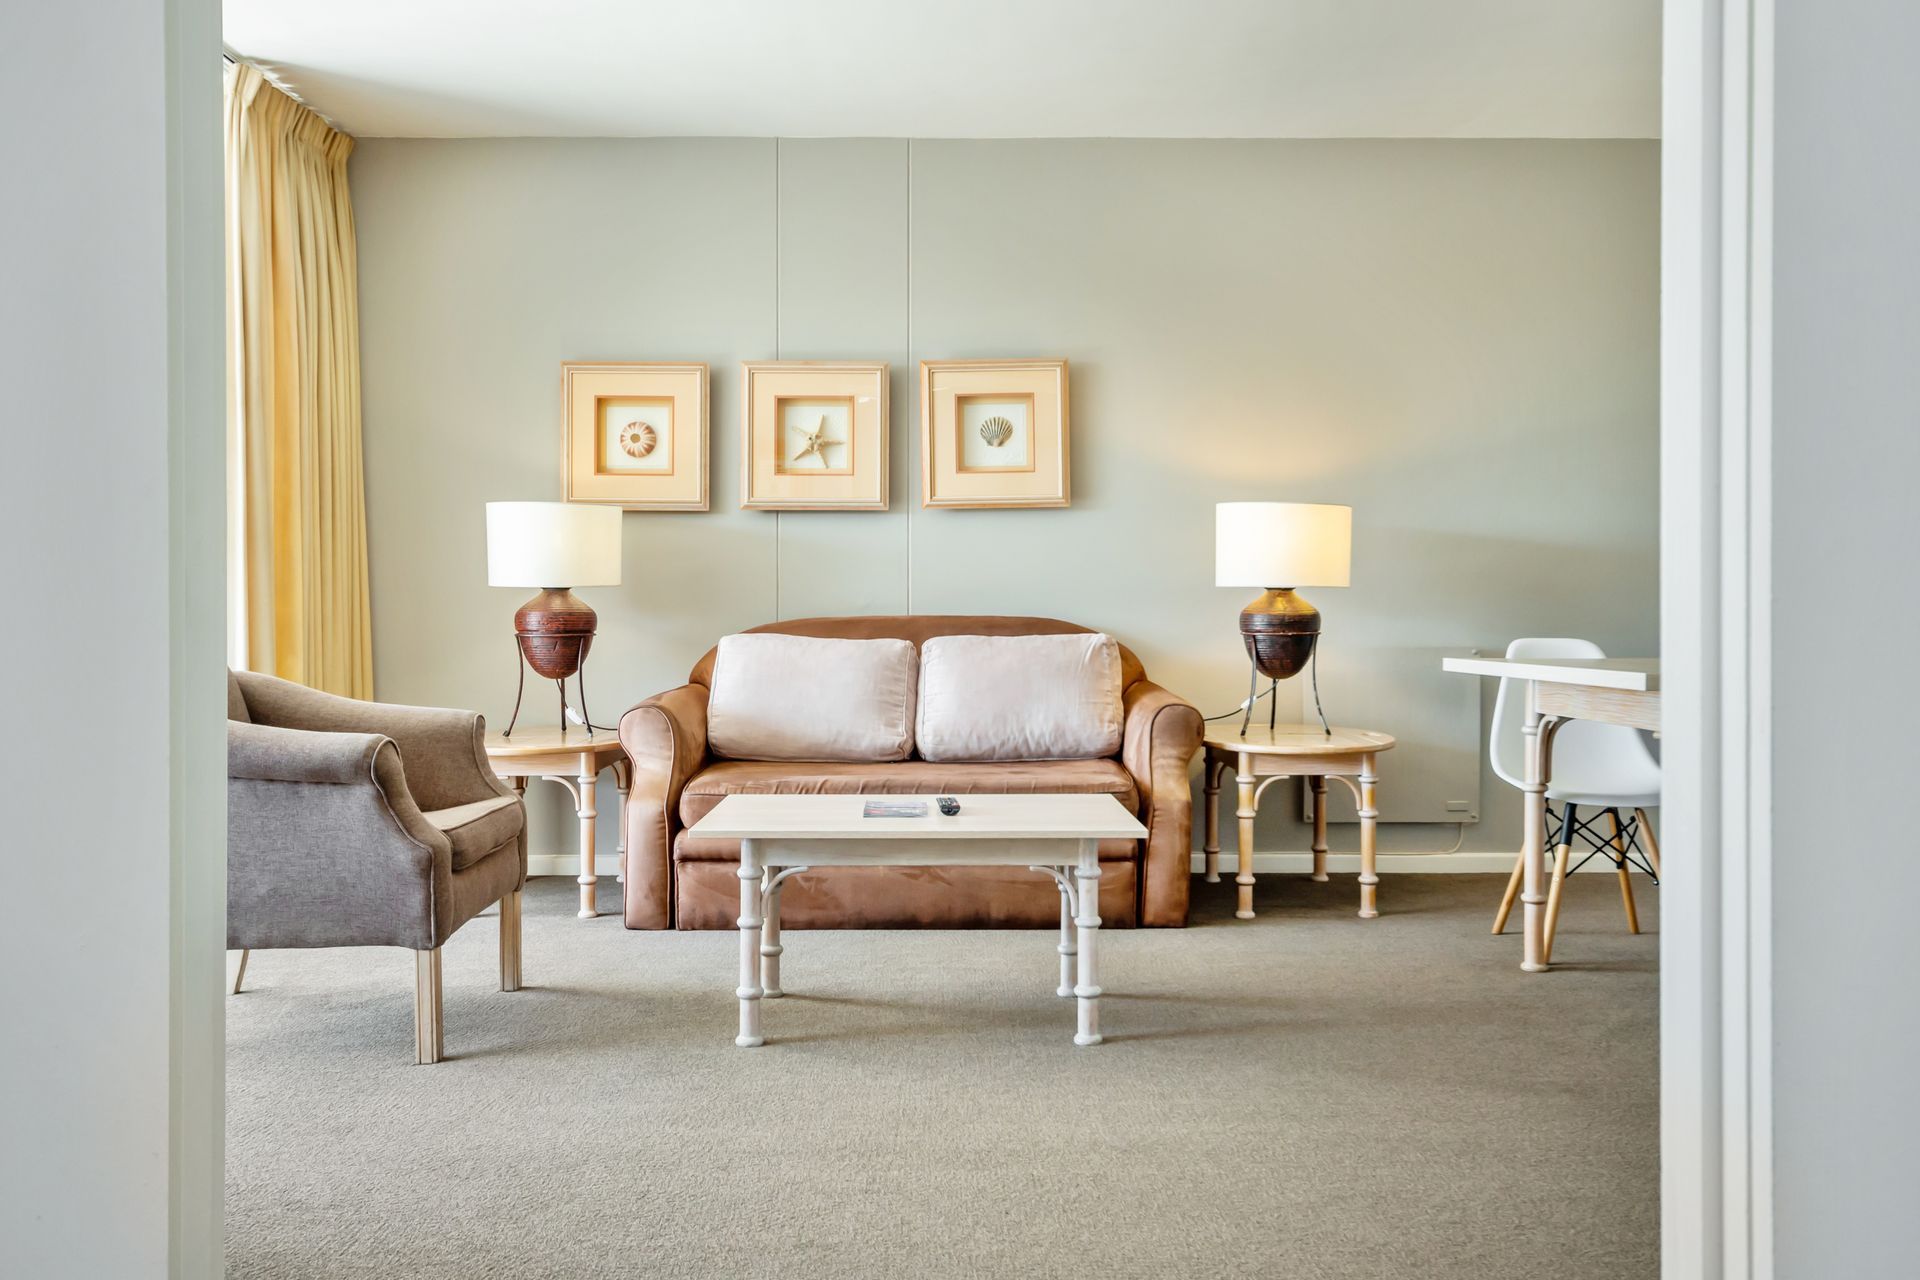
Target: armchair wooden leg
x,y
1620,866
1513,891
428,1027
510,941
240,974
1653,845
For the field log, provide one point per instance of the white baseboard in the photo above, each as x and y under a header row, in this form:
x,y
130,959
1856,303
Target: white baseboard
x,y
607,865
1401,863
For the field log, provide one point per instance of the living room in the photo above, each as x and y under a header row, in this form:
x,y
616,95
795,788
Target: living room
x,y
970,639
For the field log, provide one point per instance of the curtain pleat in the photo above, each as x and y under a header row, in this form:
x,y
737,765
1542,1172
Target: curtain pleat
x,y
296,496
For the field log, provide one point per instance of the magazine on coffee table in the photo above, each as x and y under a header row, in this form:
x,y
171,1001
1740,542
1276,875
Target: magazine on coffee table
x,y
896,809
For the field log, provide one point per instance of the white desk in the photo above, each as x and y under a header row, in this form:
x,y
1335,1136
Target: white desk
x,y
1057,835
1611,690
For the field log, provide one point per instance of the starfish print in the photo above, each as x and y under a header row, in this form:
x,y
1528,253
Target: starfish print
x,y
815,442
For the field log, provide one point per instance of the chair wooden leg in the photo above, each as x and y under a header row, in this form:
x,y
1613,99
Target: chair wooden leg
x,y
240,974
1560,857
429,1031
1513,891
510,941
1653,845
1620,866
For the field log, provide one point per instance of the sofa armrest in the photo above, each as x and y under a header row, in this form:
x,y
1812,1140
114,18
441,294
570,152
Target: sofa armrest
x,y
666,743
444,750
326,845
1161,734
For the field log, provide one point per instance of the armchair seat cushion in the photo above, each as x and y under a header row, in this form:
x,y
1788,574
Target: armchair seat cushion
x,y
477,829
907,777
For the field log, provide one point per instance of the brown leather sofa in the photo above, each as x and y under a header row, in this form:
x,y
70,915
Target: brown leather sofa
x,y
676,881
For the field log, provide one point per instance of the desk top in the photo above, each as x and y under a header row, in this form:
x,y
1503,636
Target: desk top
x,y
544,741
1640,675
1294,739
981,817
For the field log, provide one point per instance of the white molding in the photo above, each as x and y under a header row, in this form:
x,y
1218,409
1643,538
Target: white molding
x,y
1716,1103
568,864
1482,863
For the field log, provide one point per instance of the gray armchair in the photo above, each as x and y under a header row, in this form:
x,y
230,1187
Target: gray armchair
x,y
362,824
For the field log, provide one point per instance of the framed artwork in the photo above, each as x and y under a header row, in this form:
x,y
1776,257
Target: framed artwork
x,y
636,435
814,435
993,433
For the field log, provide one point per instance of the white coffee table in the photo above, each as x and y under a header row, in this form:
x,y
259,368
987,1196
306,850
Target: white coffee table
x,y
781,836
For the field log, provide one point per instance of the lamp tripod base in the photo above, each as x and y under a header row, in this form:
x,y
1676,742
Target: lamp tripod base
x,y
1273,692
520,694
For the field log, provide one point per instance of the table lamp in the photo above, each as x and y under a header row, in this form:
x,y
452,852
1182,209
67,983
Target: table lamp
x,y
1261,544
554,546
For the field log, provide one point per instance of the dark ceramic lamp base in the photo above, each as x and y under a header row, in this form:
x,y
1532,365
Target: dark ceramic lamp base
x,y
1280,630
552,633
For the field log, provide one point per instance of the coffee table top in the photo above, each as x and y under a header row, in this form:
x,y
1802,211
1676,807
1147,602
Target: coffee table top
x,y
981,817
1295,739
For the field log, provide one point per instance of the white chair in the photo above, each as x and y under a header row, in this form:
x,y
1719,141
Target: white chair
x,y
1606,768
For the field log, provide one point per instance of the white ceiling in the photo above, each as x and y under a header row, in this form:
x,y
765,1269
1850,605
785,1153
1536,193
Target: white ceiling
x,y
966,68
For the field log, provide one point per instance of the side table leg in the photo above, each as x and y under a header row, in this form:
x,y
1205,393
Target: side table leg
x,y
1088,988
770,947
1211,783
623,779
1317,784
1369,832
1244,812
587,813
749,990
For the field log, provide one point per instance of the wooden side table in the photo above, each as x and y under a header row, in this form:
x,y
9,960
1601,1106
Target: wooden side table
x,y
573,760
1267,755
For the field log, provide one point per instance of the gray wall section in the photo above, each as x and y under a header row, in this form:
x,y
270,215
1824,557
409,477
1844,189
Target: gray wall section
x,y
110,509
1458,338
1847,448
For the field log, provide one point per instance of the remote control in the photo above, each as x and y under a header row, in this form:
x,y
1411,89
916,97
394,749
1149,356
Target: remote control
x,y
948,805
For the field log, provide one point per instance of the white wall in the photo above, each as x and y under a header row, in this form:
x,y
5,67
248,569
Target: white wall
x,y
1846,953
110,358
1458,338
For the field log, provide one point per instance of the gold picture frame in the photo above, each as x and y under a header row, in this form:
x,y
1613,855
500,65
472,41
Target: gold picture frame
x,y
814,435
994,433
635,434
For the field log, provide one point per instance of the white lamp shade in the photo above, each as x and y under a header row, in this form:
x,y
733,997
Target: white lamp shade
x,y
552,544
1282,544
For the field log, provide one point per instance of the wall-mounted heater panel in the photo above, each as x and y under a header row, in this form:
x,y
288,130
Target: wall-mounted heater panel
x,y
1433,772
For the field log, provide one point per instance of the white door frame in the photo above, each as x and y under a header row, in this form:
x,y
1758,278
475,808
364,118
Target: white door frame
x,y
1716,1156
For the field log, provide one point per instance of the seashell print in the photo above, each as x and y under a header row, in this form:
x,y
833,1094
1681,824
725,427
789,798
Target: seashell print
x,y
996,431
637,439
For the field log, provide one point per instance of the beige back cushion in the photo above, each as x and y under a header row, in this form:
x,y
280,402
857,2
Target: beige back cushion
x,y
1019,697
777,697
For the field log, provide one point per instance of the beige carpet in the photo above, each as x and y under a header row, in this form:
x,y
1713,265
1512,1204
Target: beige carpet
x,y
1304,1095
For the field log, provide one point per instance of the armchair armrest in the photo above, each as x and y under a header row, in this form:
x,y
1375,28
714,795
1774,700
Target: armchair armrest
x,y
326,845
444,750
666,742
1160,735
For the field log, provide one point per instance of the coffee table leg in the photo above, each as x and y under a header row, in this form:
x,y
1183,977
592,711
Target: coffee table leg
x,y
749,990
1067,949
1088,988
770,947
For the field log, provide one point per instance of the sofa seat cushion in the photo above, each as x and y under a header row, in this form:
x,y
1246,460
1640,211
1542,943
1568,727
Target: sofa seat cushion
x,y
477,829
908,777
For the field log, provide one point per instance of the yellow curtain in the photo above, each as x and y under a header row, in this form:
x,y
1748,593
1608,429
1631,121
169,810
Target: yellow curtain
x,y
296,500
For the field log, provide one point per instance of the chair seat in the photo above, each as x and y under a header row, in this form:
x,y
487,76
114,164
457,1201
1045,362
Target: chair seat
x,y
477,829
1604,799
1102,776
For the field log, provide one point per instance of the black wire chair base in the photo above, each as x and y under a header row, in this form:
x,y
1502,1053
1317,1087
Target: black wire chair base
x,y
1586,831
